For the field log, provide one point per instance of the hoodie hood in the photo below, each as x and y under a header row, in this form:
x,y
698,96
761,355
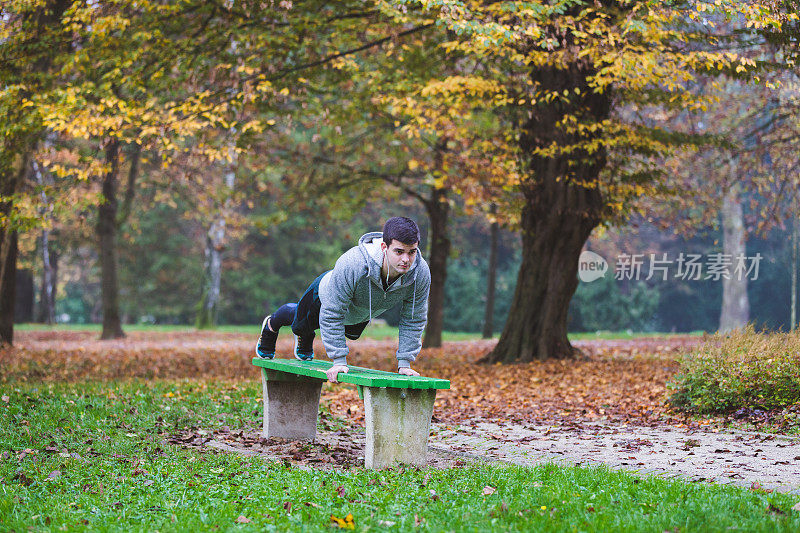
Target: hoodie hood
x,y
370,246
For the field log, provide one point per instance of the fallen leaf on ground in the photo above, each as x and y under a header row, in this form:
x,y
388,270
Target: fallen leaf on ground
x,y
345,523
488,491
620,380
242,519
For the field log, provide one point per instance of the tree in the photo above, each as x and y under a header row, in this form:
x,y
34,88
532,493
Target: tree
x,y
561,76
31,39
428,151
142,74
745,178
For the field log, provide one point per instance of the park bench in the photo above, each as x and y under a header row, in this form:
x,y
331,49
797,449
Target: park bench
x,y
397,408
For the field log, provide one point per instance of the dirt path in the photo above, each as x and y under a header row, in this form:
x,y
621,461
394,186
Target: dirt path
x,y
744,459
750,460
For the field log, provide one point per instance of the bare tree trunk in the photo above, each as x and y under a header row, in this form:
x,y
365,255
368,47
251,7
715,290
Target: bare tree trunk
x,y
23,300
558,215
48,301
735,310
491,281
130,188
47,292
107,241
215,238
215,244
438,212
794,274
47,313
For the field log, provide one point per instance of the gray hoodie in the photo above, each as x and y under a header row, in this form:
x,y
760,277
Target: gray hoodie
x,y
353,293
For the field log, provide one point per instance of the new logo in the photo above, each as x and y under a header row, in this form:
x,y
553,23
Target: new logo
x,y
591,266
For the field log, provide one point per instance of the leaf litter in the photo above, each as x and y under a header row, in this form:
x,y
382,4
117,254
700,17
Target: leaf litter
x,y
622,380
619,382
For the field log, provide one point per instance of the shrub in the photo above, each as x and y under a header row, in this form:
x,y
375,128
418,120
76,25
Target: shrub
x,y
742,369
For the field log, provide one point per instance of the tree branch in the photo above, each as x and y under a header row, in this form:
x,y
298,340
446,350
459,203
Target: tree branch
x,y
130,188
305,66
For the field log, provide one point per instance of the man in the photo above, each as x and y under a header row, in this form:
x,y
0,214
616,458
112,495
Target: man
x,y
384,270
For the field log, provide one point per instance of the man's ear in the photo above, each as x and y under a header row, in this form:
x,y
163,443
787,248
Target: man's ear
x,y
383,246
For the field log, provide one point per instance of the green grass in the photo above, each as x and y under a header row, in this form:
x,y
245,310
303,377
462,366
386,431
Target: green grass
x,y
374,331
622,335
125,477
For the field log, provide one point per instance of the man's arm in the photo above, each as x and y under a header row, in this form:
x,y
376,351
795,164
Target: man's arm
x,y
334,300
413,317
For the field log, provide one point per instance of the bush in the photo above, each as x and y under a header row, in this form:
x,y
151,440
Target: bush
x,y
743,369
601,305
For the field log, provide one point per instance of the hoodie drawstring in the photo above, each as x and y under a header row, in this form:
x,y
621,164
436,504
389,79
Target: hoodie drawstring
x,y
413,297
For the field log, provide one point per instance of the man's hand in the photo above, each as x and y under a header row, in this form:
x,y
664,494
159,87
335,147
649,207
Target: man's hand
x,y
408,372
333,371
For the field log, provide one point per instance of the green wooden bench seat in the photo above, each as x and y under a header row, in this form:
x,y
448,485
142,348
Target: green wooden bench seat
x,y
397,408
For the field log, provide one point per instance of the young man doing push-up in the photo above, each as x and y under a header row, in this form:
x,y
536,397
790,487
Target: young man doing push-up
x,y
384,270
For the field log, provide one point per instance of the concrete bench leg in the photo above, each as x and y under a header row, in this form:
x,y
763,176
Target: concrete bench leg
x,y
291,405
398,425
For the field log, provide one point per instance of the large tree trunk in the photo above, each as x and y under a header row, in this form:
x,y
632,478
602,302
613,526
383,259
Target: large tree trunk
x,y
8,294
10,182
562,206
8,260
107,240
491,281
735,310
438,211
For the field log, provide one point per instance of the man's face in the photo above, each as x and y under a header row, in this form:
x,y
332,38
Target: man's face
x,y
400,256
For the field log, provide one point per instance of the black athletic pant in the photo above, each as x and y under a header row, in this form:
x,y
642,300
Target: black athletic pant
x,y
304,315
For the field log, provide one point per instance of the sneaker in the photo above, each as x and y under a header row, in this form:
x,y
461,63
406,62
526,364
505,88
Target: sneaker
x,y
266,341
304,348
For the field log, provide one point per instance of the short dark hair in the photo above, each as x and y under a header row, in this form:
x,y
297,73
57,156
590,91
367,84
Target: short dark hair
x,y
402,229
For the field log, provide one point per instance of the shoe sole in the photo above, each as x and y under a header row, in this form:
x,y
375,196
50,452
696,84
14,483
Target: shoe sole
x,y
263,325
296,355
